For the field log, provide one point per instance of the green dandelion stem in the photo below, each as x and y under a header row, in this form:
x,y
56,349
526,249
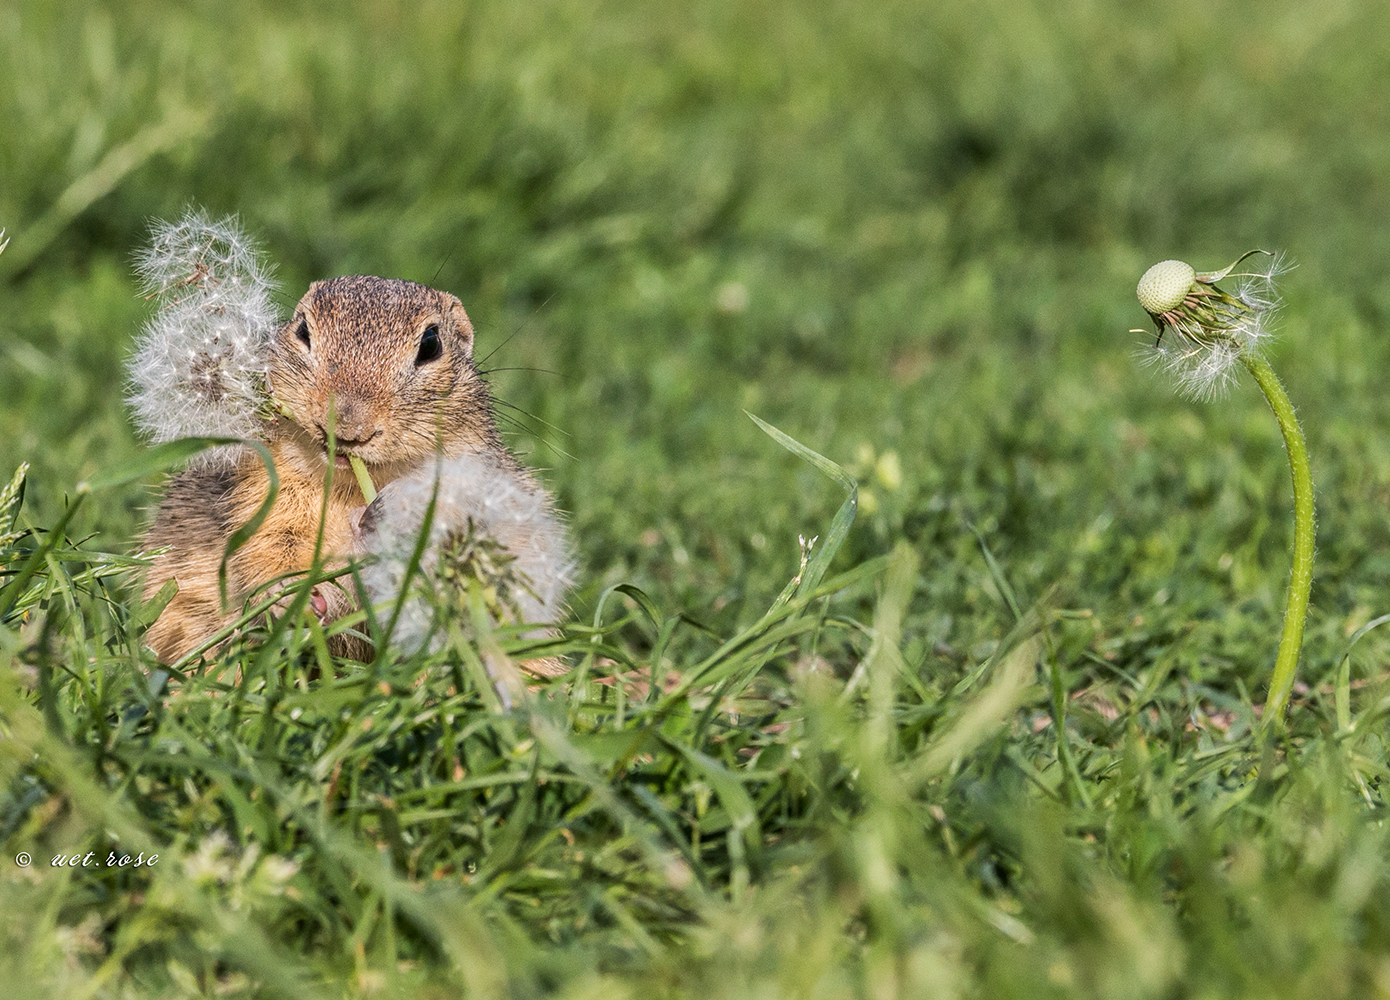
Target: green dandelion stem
x,y
1301,582
364,480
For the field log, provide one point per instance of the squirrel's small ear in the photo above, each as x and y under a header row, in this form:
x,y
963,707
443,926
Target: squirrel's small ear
x,y
460,322
307,299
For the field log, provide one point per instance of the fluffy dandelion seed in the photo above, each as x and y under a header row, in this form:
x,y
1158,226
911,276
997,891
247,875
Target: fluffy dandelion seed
x,y
1213,329
199,367
491,524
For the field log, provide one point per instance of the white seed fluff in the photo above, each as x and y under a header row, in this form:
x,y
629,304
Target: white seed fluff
x,y
503,504
1200,372
1208,368
200,363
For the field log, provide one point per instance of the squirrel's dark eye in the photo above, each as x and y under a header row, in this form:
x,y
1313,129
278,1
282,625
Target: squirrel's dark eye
x,y
303,332
430,347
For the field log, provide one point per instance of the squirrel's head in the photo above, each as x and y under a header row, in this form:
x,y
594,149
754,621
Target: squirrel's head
x,y
389,364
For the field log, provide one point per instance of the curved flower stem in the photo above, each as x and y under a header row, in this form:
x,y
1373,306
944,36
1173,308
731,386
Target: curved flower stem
x,y
1301,582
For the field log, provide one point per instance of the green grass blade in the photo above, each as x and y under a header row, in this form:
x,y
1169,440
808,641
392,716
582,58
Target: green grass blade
x,y
844,517
1342,695
12,499
996,573
11,593
159,459
983,715
145,615
243,534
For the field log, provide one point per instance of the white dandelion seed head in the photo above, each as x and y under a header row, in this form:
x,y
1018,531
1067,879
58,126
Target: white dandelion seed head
x,y
199,250
1205,334
498,502
200,363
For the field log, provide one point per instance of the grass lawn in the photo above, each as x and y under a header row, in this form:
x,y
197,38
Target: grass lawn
x,y
998,737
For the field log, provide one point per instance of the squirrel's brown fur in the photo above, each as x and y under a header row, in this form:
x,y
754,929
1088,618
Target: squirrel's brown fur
x,y
357,347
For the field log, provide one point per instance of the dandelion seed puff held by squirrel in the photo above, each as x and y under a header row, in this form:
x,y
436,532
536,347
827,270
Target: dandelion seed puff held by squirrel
x,y
393,362
492,536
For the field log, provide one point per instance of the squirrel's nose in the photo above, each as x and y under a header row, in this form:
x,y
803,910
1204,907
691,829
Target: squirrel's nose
x,y
350,421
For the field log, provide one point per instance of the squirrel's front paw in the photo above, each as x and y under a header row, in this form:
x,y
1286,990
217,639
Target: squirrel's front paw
x,y
318,605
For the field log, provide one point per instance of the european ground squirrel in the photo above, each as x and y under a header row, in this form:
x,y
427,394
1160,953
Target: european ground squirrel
x,y
392,361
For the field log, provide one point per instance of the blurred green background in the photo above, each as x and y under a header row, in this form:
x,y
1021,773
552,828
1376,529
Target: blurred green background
x,y
906,233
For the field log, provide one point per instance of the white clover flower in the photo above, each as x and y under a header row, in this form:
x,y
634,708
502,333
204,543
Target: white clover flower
x,y
199,367
492,523
1213,329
